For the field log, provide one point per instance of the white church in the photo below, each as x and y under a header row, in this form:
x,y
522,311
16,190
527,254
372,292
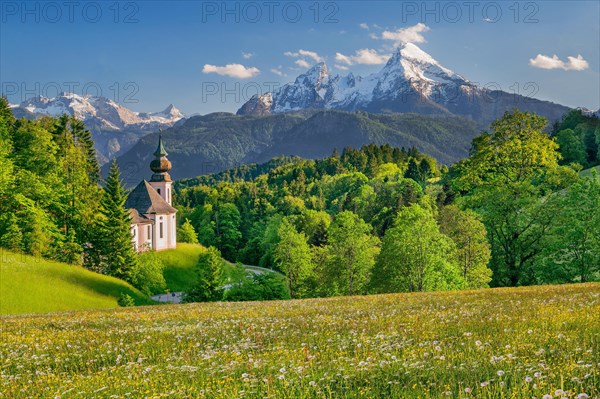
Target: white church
x,y
153,222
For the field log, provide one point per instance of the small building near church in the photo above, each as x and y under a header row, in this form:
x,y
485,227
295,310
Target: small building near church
x,y
153,220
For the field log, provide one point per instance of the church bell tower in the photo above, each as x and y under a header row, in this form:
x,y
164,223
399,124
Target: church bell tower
x,y
160,165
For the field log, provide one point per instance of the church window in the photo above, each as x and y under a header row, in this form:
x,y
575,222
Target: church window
x,y
149,232
158,190
161,230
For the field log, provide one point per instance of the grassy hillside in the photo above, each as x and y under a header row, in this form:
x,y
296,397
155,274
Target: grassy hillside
x,y
495,343
35,285
179,265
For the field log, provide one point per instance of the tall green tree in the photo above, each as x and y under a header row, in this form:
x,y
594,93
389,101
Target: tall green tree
x,y
209,271
572,251
114,246
227,229
508,179
472,247
293,256
351,253
571,147
416,256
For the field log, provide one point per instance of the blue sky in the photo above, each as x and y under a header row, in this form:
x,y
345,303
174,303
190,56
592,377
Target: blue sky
x,y
147,54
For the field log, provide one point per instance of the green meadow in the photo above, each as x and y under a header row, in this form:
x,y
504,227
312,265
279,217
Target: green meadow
x,y
35,285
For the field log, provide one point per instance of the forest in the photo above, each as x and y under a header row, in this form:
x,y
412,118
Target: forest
x,y
377,219
382,219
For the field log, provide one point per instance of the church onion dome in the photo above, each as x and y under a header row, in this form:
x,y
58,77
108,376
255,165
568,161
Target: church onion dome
x,y
160,164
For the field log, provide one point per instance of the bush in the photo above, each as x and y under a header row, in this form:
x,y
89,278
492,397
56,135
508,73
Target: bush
x,y
147,276
125,300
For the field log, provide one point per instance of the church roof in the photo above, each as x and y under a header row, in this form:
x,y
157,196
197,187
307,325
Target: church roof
x,y
136,218
144,199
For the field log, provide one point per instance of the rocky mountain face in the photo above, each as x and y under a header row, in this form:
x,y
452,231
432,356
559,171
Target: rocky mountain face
x,y
215,142
115,128
411,81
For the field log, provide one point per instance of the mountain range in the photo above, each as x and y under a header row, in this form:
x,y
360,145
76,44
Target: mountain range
x,y
410,81
115,128
219,141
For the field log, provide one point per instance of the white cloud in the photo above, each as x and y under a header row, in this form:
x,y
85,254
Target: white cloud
x,y
278,71
302,63
363,56
304,53
412,34
364,26
232,70
572,63
247,55
341,67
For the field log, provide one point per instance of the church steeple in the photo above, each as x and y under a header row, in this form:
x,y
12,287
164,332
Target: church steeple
x,y
160,165
160,150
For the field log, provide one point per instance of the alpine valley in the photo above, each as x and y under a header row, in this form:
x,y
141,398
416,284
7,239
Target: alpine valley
x,y
412,102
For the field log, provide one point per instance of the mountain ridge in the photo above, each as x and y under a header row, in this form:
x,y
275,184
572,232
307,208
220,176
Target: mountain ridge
x,y
410,81
114,127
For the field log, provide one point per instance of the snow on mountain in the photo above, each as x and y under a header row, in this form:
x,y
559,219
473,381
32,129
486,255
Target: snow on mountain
x,y
114,127
410,81
409,69
101,110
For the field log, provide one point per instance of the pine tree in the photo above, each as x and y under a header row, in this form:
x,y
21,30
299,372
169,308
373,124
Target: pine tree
x,y
187,233
114,246
210,275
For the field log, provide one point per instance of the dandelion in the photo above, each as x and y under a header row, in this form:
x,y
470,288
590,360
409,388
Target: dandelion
x,y
468,390
528,379
312,383
547,396
500,373
582,396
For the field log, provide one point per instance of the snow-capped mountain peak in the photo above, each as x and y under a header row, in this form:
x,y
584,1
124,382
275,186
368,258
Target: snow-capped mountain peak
x,y
99,110
409,69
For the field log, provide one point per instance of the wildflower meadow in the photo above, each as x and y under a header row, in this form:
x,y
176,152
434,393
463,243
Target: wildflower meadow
x,y
530,342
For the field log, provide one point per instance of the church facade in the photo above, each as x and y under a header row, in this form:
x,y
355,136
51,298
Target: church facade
x,y
153,218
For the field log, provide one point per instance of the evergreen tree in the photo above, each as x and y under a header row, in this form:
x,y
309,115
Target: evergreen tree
x,y
209,271
115,249
186,233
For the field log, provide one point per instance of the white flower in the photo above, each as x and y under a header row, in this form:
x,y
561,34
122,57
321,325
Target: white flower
x,y
468,390
537,375
528,379
582,396
559,392
478,343
547,396
312,383
282,370
500,373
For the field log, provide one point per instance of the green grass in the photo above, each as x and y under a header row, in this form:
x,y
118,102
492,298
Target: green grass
x,y
179,265
491,344
35,285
